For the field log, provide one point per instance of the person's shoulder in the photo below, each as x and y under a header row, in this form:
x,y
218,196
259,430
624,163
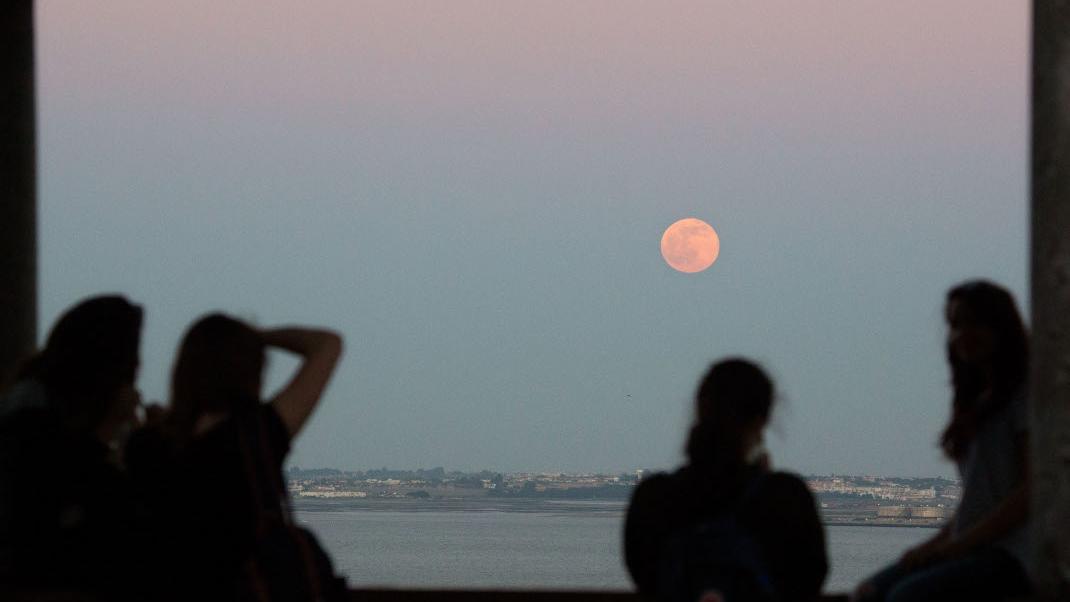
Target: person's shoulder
x,y
782,506
659,484
783,486
32,439
24,394
655,481
654,491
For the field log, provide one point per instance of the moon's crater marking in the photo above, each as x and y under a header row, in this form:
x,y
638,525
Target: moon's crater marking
x,y
690,245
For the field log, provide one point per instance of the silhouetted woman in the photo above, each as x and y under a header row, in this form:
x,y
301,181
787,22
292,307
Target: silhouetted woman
x,y
725,517
68,518
980,553
217,463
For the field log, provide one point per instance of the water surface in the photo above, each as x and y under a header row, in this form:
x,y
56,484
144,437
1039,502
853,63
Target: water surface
x,y
574,547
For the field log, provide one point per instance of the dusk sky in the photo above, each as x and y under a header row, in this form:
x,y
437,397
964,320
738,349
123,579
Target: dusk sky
x,y
474,194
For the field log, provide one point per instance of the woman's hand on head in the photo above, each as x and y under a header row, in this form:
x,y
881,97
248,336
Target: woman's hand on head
x,y
320,350
302,340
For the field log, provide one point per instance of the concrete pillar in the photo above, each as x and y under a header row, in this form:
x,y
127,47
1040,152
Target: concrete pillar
x,y
1050,435
18,185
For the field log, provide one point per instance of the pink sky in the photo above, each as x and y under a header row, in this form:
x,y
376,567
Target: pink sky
x,y
474,193
543,64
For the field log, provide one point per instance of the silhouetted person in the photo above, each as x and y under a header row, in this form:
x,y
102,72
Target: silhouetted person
x,y
724,520
68,518
214,467
981,552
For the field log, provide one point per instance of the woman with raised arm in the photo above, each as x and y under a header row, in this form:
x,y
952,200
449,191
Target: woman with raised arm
x,y
215,465
981,553
725,526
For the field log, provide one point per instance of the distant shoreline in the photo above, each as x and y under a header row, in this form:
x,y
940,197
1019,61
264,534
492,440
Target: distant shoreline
x,y
838,523
533,506
607,508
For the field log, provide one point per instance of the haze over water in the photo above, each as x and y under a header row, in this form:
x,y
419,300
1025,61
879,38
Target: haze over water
x,y
473,193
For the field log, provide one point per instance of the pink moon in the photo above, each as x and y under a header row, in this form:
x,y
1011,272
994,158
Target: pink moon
x,y
690,245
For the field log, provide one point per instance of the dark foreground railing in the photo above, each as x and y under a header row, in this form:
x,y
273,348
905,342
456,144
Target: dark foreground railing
x,y
490,595
415,595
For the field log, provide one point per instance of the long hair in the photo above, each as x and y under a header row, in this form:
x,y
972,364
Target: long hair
x,y
734,395
993,307
219,367
92,352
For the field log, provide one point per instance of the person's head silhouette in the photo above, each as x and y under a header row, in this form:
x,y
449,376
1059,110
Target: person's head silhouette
x,y
89,363
988,353
732,408
219,369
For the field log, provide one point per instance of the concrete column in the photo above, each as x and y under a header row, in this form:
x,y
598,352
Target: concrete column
x,y
1050,435
18,185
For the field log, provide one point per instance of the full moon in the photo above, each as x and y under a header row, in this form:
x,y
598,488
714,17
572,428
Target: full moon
x,y
690,245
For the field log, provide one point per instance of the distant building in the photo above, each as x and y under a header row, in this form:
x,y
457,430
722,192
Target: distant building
x,y
332,494
893,512
930,512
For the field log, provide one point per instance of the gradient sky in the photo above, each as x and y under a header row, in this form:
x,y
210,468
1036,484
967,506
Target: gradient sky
x,y
474,193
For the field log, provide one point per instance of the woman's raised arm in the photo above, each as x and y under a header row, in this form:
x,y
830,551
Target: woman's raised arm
x,y
320,351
